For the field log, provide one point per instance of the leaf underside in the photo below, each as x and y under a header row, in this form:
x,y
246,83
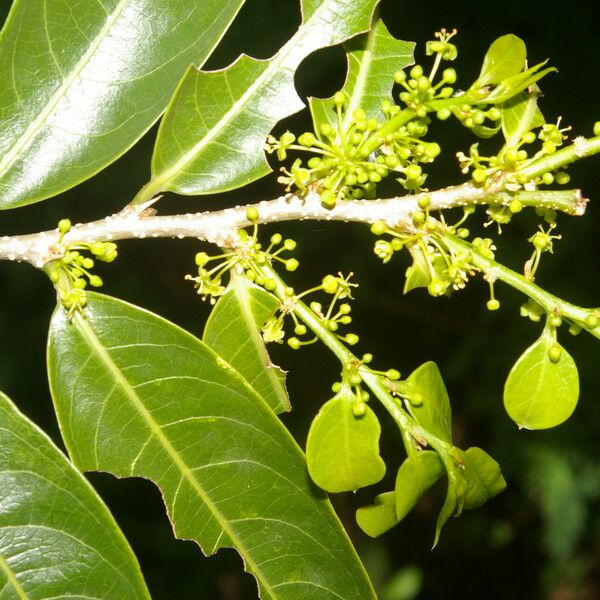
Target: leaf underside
x,y
137,396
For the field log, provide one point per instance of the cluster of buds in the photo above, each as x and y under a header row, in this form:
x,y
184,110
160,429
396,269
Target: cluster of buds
x,y
70,273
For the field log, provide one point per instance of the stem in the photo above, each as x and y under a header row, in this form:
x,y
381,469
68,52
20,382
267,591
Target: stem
x,y
547,301
219,226
378,138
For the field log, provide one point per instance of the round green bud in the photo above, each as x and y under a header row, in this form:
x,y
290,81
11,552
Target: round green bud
x,y
351,339
95,281
276,239
443,114
289,244
328,198
562,178
330,284
494,113
291,264
396,244
574,329
541,241
345,320
201,259
449,76
423,83
64,225
289,291
316,307
374,177
549,147
597,128
355,379
252,214
413,172
294,343
554,353
287,138
493,304
340,99
391,161
87,263
436,287
300,329
416,72
392,374
367,358
510,156
270,284
418,218
462,233
378,228
547,178
478,117
400,76
555,321
327,130
250,275
332,325
424,202
515,206
359,409
362,177
314,163
80,283
336,387
345,308
307,139
446,92
350,179
479,175
528,137
592,321
416,399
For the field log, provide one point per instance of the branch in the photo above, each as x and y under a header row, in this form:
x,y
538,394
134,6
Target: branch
x,y
217,226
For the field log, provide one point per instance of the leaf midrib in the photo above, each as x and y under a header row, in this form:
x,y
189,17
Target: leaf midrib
x,y
96,346
11,156
12,579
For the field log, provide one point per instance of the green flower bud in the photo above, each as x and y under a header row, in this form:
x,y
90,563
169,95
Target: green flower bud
x,y
528,137
493,304
443,114
424,202
479,175
307,139
294,343
328,198
462,233
597,128
314,163
64,225
330,284
554,353
252,214
392,374
562,178
515,206
201,259
352,340
95,281
548,178
289,244
378,228
555,321
340,99
359,409
300,329
592,322
416,72
270,285
449,76
291,264
400,76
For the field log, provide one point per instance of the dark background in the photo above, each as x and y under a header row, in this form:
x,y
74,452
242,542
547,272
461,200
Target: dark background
x,y
541,538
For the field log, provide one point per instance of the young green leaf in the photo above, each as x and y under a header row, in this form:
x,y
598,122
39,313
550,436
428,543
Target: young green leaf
x,y
415,476
213,133
430,405
138,397
83,81
57,538
449,509
505,57
342,449
483,477
233,332
379,517
540,392
520,115
373,58
419,273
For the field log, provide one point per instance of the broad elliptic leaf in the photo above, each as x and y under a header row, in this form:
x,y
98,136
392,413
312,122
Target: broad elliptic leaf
x,y
430,405
505,58
520,115
57,538
212,136
342,449
373,58
139,397
415,476
83,80
483,477
379,517
233,332
541,393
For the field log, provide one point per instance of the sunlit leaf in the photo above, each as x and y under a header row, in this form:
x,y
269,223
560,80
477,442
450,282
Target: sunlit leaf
x,y
430,404
233,332
213,134
505,57
342,449
137,396
83,80
57,538
541,393
373,58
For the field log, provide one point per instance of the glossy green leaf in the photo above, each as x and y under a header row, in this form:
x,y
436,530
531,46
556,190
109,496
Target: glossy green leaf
x,y
233,332
415,476
82,81
540,393
519,115
342,449
379,517
483,477
505,57
373,58
213,134
430,405
57,538
419,273
139,397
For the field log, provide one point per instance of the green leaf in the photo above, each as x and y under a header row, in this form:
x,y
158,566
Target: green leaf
x,y
419,273
433,413
520,115
342,449
373,58
213,134
415,476
378,517
540,393
57,538
483,477
138,397
233,332
83,80
505,57
449,509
